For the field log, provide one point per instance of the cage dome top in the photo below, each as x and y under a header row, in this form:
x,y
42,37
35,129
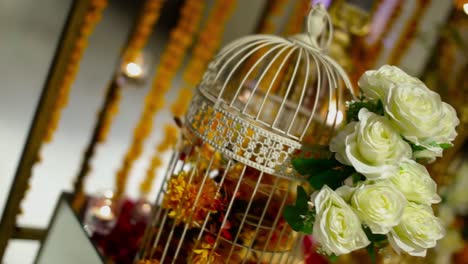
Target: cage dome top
x,y
264,96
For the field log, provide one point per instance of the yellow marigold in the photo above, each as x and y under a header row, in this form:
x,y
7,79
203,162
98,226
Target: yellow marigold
x,y
181,196
207,152
149,261
201,254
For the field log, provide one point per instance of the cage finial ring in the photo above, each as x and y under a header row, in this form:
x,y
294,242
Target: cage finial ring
x,y
318,23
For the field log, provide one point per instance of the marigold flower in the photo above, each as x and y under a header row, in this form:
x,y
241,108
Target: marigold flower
x,y
181,198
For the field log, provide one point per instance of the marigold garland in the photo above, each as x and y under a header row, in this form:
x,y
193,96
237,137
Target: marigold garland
x,y
409,33
294,26
274,9
112,110
181,198
207,44
135,43
92,17
180,39
297,17
170,139
366,58
209,41
150,14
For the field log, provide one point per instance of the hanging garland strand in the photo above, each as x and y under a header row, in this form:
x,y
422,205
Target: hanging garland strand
x,y
207,44
206,47
135,43
170,139
409,33
364,56
150,14
180,39
296,20
294,26
273,9
92,17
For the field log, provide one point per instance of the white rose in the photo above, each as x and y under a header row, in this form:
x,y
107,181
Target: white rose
x,y
345,192
448,123
376,83
447,134
417,113
418,230
337,228
371,146
338,143
414,181
380,206
428,155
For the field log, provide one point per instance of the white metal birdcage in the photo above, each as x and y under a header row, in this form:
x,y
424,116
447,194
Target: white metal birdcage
x,y
262,98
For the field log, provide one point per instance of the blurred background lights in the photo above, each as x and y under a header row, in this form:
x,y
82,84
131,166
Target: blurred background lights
x,y
133,70
334,114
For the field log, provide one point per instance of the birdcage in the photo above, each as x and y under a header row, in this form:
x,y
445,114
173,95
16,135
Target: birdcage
x,y
261,100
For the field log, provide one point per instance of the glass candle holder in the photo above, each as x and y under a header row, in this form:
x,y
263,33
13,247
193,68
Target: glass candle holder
x,y
141,212
102,213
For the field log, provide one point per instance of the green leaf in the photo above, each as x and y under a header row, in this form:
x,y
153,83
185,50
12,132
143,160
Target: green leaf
x,y
308,226
332,258
292,217
333,177
372,254
464,232
374,237
415,148
298,216
445,145
302,199
323,171
354,108
357,177
379,108
434,144
306,166
377,241
444,198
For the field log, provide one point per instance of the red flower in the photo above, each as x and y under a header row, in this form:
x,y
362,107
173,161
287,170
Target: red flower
x,y
122,244
310,254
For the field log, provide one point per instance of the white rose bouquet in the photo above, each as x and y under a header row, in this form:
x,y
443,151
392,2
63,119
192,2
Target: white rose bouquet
x,y
372,190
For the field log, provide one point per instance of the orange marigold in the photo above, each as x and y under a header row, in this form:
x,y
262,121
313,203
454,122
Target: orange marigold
x,y
204,253
152,261
181,198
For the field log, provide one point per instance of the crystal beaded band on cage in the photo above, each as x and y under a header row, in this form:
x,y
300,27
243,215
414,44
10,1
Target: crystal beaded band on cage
x,y
238,139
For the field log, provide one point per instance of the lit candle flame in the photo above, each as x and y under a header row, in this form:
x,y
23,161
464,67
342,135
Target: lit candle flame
x,y
104,213
133,70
